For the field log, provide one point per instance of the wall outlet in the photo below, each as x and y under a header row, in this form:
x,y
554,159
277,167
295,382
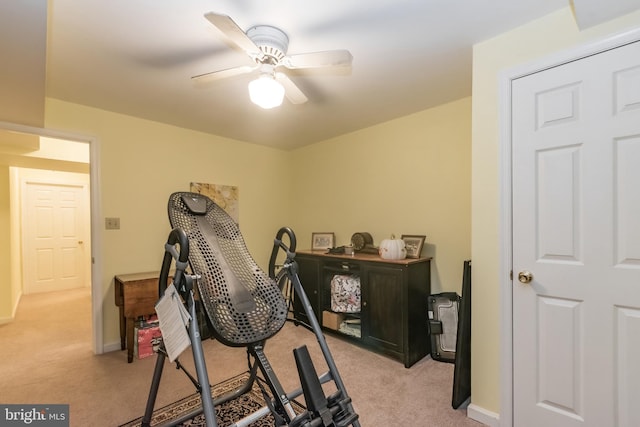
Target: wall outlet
x,y
112,223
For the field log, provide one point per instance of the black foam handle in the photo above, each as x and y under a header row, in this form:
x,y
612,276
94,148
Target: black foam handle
x,y
177,235
279,244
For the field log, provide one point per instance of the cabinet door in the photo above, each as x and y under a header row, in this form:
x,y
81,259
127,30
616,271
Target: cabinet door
x,y
309,274
382,308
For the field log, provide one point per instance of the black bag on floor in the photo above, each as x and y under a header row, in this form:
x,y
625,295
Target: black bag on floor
x,y
443,325
462,370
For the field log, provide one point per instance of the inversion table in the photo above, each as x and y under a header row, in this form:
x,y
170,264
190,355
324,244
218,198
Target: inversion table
x,y
242,306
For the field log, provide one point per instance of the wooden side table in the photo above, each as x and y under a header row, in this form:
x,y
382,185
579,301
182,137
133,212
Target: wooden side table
x,y
136,295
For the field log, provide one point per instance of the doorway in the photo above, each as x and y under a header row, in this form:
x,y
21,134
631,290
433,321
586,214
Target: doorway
x,y
570,305
52,161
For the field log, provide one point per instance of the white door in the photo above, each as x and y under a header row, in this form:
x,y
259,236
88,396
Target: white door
x,y
576,229
53,237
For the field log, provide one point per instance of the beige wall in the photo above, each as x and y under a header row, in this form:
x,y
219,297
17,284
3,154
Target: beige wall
x,y
7,297
410,175
553,33
60,149
142,162
407,176
15,233
23,29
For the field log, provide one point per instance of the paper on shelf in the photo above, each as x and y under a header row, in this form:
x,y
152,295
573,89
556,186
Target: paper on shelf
x,y
173,318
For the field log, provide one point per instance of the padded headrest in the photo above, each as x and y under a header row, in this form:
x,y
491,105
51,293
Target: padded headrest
x,y
195,203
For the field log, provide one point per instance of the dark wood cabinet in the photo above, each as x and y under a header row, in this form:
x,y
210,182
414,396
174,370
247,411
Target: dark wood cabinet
x,y
393,315
309,274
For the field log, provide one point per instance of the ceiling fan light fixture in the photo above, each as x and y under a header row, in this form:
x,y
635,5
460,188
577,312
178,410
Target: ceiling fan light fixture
x,y
266,92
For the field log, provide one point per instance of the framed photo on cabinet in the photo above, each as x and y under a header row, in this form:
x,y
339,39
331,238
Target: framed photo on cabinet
x,y
320,241
413,244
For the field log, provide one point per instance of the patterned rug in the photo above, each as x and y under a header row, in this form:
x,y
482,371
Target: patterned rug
x,y
226,414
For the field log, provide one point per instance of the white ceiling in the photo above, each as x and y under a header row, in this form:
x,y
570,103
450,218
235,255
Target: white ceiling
x,y
136,57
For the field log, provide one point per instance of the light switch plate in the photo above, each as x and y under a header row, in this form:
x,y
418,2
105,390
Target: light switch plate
x,y
112,223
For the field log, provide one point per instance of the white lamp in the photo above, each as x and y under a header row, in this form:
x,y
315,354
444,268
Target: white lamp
x,y
266,92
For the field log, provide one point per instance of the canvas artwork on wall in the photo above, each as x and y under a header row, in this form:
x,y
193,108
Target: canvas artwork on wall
x,y
225,196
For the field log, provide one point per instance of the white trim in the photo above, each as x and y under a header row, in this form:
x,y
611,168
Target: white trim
x,y
111,346
15,307
5,320
506,237
572,54
505,256
483,416
96,214
96,247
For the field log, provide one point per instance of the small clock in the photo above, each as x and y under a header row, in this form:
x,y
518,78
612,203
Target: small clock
x,y
361,240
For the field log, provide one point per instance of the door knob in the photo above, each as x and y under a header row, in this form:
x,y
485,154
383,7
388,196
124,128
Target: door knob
x,y
525,276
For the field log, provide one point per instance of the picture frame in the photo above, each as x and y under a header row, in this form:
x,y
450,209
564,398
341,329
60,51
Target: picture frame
x,y
413,243
322,240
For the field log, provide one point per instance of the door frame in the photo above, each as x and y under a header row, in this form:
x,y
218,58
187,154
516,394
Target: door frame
x,y
505,188
96,213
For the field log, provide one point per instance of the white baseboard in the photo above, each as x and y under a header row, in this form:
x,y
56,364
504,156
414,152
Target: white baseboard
x,y
483,416
111,346
15,307
5,320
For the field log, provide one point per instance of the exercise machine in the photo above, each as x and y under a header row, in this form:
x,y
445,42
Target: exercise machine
x,y
229,296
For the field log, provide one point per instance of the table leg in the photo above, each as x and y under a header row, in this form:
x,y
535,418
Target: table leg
x,y
123,329
130,338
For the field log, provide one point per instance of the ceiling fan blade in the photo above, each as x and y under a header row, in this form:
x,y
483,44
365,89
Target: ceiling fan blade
x,y
291,91
234,33
221,74
330,58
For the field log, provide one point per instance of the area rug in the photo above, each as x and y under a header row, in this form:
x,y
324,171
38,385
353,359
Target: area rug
x,y
226,414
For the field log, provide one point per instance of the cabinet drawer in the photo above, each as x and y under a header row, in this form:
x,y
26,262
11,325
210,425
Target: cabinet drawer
x,y
341,267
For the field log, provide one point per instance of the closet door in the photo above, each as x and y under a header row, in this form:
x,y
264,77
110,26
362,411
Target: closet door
x,y
53,237
576,243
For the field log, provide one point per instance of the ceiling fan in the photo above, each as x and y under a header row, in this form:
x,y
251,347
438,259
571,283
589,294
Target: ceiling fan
x,y
267,46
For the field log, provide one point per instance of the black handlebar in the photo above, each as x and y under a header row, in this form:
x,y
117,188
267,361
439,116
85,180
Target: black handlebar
x,y
278,244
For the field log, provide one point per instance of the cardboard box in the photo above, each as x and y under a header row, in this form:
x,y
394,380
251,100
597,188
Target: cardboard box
x,y
332,320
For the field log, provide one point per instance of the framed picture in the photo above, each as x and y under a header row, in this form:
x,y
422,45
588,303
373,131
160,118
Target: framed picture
x,y
413,244
321,241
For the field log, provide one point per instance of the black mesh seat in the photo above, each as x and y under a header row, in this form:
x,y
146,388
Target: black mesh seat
x,y
242,302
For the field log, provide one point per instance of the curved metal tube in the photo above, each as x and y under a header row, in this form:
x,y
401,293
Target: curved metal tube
x,y
177,235
279,244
